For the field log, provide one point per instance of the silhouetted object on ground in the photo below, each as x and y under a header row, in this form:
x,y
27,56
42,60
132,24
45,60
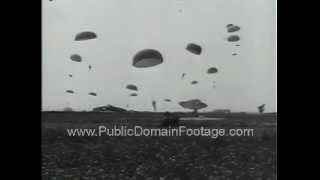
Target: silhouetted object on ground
x,y
170,120
70,75
133,94
234,54
70,91
86,35
261,108
194,48
90,67
233,38
194,104
194,82
108,108
147,58
76,58
237,45
182,76
167,100
154,105
93,94
212,70
132,87
233,28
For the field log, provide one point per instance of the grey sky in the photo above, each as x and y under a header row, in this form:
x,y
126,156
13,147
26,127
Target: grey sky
x,y
127,26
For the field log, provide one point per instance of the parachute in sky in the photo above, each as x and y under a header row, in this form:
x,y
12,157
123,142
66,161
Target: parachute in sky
x,y
132,87
70,91
167,100
154,105
229,25
147,58
233,38
70,75
194,104
133,94
86,35
194,82
212,70
234,54
90,67
76,58
93,94
194,48
233,28
237,45
261,108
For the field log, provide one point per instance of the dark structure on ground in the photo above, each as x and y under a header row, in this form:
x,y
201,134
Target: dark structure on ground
x,y
170,120
108,108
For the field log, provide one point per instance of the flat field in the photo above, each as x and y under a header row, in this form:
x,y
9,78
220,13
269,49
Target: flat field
x,y
174,157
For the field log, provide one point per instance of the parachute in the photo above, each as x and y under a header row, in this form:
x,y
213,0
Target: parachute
x,y
76,58
147,58
70,91
70,75
193,104
212,70
93,94
133,94
229,25
233,38
194,48
167,100
194,82
90,67
86,35
233,28
234,54
237,44
132,87
154,105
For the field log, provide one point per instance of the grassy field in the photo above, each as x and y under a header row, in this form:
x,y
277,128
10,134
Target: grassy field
x,y
105,157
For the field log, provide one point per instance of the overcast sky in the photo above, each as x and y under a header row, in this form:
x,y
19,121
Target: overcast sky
x,y
124,27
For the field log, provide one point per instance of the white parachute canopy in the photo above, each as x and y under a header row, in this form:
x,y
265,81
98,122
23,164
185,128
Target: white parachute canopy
x,y
194,104
76,58
86,35
147,58
132,87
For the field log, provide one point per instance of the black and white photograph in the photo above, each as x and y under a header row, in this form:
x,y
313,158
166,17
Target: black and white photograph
x,y
159,90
